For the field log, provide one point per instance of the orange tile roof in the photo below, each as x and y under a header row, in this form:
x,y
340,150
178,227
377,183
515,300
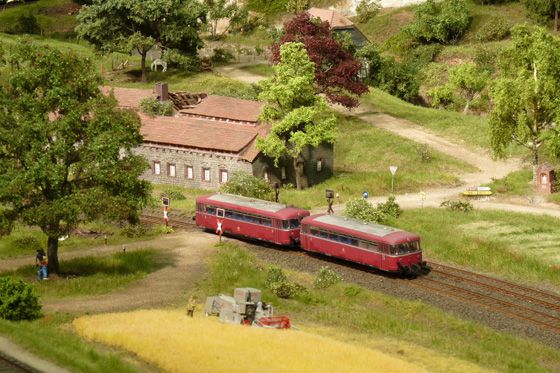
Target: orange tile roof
x,y
334,18
251,152
129,97
197,133
226,108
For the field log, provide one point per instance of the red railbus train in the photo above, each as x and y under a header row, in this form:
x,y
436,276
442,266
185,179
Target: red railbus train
x,y
250,217
388,249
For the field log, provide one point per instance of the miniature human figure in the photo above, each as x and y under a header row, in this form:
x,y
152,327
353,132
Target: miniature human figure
x,y
41,262
330,202
219,230
191,305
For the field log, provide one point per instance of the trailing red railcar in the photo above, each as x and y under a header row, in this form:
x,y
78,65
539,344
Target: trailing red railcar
x,y
250,217
388,249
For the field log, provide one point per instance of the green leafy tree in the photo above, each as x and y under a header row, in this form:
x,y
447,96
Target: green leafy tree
x,y
245,184
217,10
117,25
299,117
297,6
440,21
543,10
66,152
367,9
470,80
527,93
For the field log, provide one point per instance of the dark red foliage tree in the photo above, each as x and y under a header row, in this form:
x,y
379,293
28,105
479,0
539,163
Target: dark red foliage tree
x,y
336,70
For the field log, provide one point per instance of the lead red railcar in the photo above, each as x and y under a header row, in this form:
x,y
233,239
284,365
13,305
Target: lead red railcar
x,y
250,217
375,245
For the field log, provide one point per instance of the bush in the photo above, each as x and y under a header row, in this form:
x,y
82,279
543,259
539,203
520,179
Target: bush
x,y
134,230
398,80
424,152
245,184
361,209
367,9
273,275
18,301
390,208
185,62
286,289
457,205
154,107
27,24
442,96
325,278
222,55
440,21
497,28
29,243
173,194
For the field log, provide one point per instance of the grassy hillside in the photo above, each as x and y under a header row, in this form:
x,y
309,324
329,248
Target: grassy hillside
x,y
54,16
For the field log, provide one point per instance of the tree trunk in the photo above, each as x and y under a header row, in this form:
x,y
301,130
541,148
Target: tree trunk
x,y
297,170
556,20
52,255
535,164
466,109
143,67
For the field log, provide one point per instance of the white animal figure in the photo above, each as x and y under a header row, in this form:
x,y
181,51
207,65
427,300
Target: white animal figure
x,y
159,62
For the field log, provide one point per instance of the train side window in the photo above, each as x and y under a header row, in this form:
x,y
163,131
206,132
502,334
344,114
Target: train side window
x,y
210,210
199,207
324,234
334,237
373,246
285,224
314,232
266,222
343,239
353,242
229,214
294,223
393,250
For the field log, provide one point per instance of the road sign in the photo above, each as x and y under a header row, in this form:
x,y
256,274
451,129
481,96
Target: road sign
x,y
393,170
165,201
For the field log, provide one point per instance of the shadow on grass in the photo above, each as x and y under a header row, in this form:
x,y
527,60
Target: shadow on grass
x,y
120,264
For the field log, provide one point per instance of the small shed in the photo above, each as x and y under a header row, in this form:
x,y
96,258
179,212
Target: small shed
x,y
546,179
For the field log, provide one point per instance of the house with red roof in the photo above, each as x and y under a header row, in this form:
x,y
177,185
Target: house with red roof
x,y
210,137
340,24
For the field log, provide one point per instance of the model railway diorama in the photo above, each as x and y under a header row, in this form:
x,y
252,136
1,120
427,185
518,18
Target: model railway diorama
x,y
378,246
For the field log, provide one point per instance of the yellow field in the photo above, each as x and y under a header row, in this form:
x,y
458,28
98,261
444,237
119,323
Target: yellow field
x,y
174,342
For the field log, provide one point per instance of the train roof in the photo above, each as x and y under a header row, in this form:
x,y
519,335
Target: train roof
x,y
279,209
359,226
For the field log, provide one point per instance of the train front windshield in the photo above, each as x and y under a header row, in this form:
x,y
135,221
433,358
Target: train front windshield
x,y
291,224
405,248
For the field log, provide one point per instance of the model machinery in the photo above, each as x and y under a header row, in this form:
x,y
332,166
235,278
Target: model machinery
x,y
246,308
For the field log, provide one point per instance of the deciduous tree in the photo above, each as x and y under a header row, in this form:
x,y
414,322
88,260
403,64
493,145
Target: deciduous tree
x,y
226,10
65,150
117,25
543,10
299,117
469,80
336,70
440,21
527,93
367,9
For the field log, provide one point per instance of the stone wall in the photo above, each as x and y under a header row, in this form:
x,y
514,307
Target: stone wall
x,y
183,157
284,173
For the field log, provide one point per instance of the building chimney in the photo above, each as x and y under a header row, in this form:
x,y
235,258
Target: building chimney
x,y
162,91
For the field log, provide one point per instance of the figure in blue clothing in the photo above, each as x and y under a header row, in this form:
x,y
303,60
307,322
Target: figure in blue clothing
x,y
365,195
41,262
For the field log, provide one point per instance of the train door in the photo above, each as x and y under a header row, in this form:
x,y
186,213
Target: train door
x,y
277,224
384,250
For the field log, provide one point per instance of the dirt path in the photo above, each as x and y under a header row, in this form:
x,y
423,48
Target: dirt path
x,y
167,286
235,71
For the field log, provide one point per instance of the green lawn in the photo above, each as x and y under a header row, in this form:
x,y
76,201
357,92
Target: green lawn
x,y
24,240
94,275
517,183
519,247
182,199
49,337
262,69
363,317
472,130
52,16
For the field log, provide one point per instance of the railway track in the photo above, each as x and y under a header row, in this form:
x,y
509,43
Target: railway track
x,y
529,305
534,306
